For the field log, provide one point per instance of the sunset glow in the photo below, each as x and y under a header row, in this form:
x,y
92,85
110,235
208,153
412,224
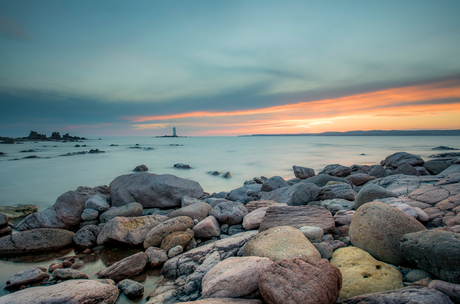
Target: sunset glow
x,y
436,105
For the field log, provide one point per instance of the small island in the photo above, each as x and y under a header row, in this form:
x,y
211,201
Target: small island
x,y
35,136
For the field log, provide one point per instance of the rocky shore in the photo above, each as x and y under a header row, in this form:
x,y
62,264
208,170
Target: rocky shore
x,y
35,136
383,233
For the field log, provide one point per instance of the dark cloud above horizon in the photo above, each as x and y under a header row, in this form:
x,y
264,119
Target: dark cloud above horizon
x,y
89,65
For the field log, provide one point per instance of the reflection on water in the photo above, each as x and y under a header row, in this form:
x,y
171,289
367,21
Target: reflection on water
x,y
94,262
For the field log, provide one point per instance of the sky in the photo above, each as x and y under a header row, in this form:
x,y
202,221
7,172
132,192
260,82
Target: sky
x,y
226,68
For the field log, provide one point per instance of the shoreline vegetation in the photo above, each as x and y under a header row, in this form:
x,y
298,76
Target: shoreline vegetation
x,y
373,233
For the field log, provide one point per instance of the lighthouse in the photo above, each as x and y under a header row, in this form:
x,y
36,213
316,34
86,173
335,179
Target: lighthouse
x,y
174,132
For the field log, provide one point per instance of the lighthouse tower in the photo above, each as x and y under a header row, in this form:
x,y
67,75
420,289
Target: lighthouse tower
x,y
174,132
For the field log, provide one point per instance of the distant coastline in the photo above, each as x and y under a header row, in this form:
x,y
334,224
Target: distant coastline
x,y
373,133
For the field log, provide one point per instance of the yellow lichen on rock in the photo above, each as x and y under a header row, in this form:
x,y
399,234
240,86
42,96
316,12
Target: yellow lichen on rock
x,y
362,274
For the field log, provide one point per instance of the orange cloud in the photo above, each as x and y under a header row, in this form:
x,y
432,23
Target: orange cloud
x,y
440,99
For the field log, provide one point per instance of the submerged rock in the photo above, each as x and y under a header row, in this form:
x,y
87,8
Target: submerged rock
x,y
27,277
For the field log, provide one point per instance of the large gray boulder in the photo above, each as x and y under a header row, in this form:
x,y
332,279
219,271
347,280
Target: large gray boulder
x,y
298,194
436,166
152,190
69,292
36,240
437,252
86,237
400,158
377,227
371,192
273,183
244,193
401,184
64,214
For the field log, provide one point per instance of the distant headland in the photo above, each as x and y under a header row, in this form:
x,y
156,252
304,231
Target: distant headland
x,y
35,136
374,133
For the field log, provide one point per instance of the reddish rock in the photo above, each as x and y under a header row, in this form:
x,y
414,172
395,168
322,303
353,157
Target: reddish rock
x,y
207,228
177,238
359,179
298,216
302,280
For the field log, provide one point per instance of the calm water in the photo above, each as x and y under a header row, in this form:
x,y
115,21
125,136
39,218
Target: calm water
x,y
40,181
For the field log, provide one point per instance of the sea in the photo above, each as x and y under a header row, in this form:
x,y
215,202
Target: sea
x,y
48,169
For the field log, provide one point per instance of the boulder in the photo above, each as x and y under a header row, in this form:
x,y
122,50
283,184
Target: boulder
x,y
231,213
177,238
151,190
431,194
279,243
160,231
371,192
300,280
68,274
128,210
343,191
98,203
3,221
198,210
225,301
298,216
69,292
412,294
377,227
176,250
89,214
313,234
336,170
401,184
156,256
253,205
407,169
337,204
362,274
36,240
64,214
30,276
16,212
126,268
377,171
236,277
253,219
244,193
436,166
343,217
209,227
187,270
298,194
141,168
303,172
399,158
321,180
131,289
273,183
130,230
359,179
187,201
86,237
450,289
435,251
